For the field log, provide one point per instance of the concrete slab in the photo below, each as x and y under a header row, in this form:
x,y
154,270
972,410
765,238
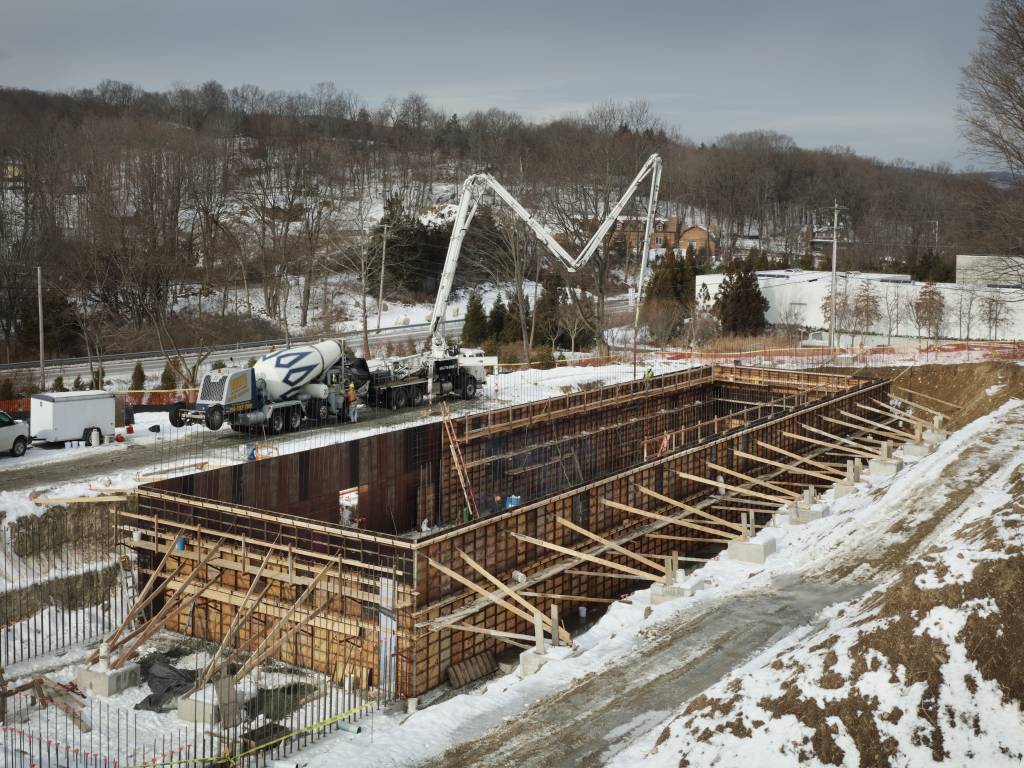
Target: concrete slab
x,y
884,467
107,682
530,662
755,551
918,450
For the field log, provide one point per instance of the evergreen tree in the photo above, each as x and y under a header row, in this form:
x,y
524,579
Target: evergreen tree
x,y
739,304
474,329
167,378
58,384
496,319
138,377
7,390
78,385
512,331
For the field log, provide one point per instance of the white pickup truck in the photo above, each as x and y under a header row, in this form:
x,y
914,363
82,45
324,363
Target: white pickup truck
x,y
13,435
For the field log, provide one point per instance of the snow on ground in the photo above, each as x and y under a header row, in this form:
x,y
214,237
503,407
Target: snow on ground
x,y
912,673
398,740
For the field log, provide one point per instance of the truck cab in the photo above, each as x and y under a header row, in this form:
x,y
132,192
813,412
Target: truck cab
x,y
14,435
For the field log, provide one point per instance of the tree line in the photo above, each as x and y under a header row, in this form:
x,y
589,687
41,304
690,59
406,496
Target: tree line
x,y
200,215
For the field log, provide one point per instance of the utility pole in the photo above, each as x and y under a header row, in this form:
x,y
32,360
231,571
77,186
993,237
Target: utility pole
x,y
832,294
383,256
39,305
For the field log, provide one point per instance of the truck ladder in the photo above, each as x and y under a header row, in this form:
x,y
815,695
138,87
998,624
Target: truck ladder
x,y
460,466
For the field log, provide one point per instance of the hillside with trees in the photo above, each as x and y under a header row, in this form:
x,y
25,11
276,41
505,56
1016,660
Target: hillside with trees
x,y
201,214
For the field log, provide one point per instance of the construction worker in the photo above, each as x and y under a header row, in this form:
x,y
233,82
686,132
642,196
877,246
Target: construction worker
x,y
648,378
353,403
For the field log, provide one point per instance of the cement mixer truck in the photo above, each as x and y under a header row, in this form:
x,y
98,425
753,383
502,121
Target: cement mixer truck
x,y
292,385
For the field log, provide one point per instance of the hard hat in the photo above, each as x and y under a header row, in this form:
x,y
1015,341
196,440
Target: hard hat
x,y
351,386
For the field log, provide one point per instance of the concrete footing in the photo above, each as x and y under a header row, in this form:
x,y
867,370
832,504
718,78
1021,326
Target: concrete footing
x,y
530,662
107,682
662,593
800,514
934,436
918,450
755,551
198,708
843,488
884,467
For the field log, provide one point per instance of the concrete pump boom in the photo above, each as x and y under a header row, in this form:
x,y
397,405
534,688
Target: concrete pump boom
x,y
476,185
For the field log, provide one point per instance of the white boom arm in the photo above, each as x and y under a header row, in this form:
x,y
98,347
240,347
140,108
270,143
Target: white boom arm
x,y
474,187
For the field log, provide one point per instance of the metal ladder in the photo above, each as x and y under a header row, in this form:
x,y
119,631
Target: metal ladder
x,y
460,466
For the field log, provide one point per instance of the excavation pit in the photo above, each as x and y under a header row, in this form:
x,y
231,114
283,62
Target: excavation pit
x,y
446,553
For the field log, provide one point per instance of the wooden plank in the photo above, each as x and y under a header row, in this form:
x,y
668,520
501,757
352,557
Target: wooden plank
x,y
735,489
589,558
41,500
468,583
786,467
610,544
798,459
669,537
572,598
875,426
668,519
841,439
692,510
894,413
750,479
934,399
883,433
924,408
835,446
506,590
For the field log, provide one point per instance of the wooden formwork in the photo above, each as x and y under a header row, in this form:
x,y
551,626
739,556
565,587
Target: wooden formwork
x,y
391,619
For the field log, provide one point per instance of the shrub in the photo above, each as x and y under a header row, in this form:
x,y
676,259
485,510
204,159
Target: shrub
x,y
138,376
218,365
168,380
58,384
7,390
250,362
543,358
78,385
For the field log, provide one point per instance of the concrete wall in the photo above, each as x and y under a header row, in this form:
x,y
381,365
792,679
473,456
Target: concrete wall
x,y
804,291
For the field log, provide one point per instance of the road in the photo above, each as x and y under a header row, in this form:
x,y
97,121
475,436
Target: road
x,y
121,366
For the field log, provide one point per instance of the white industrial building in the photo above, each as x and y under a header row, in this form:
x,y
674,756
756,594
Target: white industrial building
x,y
973,311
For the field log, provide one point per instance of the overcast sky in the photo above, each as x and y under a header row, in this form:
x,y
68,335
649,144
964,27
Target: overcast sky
x,y
877,75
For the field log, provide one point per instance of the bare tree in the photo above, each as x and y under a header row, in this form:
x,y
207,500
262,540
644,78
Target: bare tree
x,y
992,113
791,321
927,311
966,301
865,308
995,311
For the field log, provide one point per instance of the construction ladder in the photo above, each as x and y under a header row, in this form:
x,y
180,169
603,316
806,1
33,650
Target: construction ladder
x,y
460,466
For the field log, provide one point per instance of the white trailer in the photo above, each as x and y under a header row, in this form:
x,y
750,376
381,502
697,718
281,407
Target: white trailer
x,y
59,417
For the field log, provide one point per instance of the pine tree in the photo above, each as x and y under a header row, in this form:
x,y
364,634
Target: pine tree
x,y
167,378
512,331
58,384
78,385
138,377
474,329
496,319
739,304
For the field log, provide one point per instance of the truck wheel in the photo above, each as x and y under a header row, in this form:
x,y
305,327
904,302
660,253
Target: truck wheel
x,y
468,387
175,415
417,396
400,398
294,418
19,447
214,417
276,422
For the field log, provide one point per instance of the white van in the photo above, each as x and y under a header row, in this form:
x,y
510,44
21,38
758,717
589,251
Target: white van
x,y
58,417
